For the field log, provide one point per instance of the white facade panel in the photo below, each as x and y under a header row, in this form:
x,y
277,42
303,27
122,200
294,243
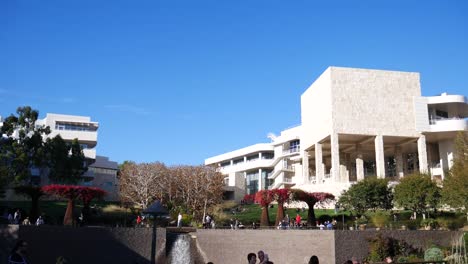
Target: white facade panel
x,y
372,102
421,114
316,111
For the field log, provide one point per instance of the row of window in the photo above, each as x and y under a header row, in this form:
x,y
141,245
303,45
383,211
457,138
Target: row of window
x,y
103,171
60,126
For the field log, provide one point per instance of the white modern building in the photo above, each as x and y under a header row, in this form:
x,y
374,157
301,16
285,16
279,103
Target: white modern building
x,y
70,127
101,172
355,123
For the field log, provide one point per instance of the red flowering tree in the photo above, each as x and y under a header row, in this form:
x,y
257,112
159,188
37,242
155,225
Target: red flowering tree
x,y
280,196
311,199
264,198
249,198
71,193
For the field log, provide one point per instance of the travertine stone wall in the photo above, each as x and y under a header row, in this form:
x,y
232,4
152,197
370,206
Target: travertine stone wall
x,y
282,246
374,102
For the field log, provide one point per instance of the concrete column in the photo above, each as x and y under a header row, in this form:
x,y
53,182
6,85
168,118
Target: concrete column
x,y
260,155
399,162
232,162
305,167
319,173
260,180
442,168
347,165
422,154
359,163
335,157
379,156
245,159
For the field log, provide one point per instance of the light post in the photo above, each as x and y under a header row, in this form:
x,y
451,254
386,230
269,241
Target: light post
x,y
339,208
155,209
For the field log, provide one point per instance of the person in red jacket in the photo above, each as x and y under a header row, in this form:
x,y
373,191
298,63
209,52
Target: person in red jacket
x,y
298,220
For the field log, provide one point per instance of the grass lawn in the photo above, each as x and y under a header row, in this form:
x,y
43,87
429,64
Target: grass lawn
x,y
247,214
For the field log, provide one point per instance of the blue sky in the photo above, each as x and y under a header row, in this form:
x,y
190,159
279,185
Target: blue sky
x,y
180,81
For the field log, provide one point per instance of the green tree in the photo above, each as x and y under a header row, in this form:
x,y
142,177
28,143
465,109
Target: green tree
x,y
67,162
418,193
369,194
23,147
23,151
455,189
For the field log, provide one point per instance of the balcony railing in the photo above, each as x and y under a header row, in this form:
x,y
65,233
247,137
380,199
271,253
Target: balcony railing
x,y
292,150
434,121
448,124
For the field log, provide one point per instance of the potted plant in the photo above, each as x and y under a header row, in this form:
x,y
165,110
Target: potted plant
x,y
361,222
429,224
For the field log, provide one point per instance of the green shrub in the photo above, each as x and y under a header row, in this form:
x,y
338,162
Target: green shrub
x,y
451,223
433,253
429,223
380,219
380,247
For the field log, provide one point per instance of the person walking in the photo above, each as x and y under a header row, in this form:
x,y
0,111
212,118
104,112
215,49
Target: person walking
x,y
179,220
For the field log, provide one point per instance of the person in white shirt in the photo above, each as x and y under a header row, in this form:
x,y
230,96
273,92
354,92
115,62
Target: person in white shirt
x,y
179,220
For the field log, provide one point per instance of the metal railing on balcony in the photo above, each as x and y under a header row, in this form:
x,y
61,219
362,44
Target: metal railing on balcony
x,y
292,150
433,121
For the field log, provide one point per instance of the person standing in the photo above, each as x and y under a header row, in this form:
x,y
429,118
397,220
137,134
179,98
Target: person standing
x,y
179,220
252,258
314,260
18,254
26,221
17,217
138,220
298,220
39,221
262,257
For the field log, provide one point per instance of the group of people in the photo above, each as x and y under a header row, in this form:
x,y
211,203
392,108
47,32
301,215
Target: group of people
x,y
262,258
236,224
209,222
287,223
16,218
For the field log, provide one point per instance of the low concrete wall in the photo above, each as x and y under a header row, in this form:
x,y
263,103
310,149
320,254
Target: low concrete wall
x,y
133,245
92,244
282,246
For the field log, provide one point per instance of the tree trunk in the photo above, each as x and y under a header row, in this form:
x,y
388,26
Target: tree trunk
x,y
279,214
34,212
86,210
265,220
310,214
68,219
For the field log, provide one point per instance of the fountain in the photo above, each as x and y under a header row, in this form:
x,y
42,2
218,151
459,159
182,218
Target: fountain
x,y
179,248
